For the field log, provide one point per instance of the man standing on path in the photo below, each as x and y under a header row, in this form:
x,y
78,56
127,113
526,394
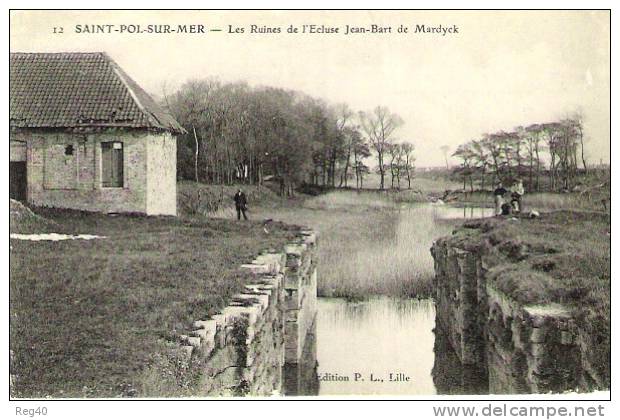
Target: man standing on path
x,y
241,204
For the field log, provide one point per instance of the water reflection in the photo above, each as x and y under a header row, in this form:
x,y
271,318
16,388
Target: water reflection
x,y
356,346
450,376
465,212
380,346
302,378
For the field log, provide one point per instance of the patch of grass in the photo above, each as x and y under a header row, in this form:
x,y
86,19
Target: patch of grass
x,y
217,200
87,317
369,244
24,220
558,257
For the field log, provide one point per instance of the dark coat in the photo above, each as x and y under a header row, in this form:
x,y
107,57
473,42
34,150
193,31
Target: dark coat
x,y
241,201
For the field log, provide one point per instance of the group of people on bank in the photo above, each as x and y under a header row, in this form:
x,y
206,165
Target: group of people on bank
x,y
515,194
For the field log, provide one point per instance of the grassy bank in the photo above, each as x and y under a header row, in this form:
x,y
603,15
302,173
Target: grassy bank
x,y
570,249
87,317
196,199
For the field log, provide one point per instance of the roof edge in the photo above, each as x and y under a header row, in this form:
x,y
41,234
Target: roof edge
x,y
172,126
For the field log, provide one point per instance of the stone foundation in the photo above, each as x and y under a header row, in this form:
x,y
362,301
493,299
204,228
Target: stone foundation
x,y
520,349
243,350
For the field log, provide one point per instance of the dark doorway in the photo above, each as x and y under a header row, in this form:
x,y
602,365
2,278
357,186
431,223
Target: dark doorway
x,y
17,180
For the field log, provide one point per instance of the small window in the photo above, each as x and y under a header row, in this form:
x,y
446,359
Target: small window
x,y
69,150
112,164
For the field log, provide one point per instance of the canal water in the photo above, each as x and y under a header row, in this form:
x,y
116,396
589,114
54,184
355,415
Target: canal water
x,y
379,346
465,212
385,346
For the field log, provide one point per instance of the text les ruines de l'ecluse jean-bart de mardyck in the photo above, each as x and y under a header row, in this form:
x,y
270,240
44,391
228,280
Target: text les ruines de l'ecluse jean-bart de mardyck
x,y
308,29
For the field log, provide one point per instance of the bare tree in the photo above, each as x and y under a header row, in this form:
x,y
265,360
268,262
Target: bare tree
x,y
394,152
344,117
361,151
531,134
464,152
518,153
480,157
407,154
379,126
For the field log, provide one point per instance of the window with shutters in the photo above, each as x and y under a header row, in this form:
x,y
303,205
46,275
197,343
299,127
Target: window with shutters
x,y
112,164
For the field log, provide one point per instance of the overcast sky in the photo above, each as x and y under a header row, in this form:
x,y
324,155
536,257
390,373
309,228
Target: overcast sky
x,y
501,70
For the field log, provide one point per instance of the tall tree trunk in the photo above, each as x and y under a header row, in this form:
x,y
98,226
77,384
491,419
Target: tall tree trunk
x,y
345,175
552,170
408,173
531,167
195,154
537,167
333,168
583,158
381,171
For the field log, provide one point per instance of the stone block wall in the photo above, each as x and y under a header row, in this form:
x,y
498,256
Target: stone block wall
x,y
519,348
243,349
532,349
460,298
300,298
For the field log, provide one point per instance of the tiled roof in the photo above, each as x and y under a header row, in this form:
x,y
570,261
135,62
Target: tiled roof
x,y
79,90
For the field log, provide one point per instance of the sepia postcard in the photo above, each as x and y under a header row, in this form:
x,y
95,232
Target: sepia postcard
x,y
314,204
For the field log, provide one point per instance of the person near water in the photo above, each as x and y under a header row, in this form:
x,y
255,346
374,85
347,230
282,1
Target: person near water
x,y
241,204
506,209
517,192
499,198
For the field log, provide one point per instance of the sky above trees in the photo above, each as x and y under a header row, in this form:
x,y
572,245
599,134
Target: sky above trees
x,y
502,69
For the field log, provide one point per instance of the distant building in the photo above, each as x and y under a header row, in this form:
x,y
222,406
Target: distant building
x,y
85,136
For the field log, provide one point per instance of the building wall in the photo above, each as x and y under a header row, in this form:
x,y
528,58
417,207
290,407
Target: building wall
x,y
56,179
161,174
17,151
17,170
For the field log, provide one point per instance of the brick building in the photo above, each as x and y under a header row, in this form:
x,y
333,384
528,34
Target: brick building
x,y
85,136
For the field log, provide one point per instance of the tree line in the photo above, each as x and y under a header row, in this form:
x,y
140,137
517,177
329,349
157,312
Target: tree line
x,y
550,152
242,134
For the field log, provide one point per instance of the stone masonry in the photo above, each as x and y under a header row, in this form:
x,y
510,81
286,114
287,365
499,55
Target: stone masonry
x,y
522,349
58,179
243,349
